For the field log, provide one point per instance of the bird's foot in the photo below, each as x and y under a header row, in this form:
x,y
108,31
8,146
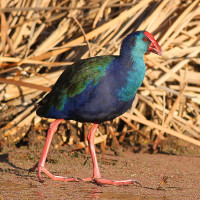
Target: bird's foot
x,y
101,181
50,175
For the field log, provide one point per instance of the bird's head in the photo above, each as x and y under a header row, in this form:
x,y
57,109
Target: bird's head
x,y
140,42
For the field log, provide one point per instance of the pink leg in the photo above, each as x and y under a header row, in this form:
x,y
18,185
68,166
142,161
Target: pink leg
x,y
96,172
41,164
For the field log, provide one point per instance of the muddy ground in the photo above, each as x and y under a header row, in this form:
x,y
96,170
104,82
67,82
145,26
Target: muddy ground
x,y
182,172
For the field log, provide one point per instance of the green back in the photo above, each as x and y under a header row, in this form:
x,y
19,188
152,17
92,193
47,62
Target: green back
x,y
75,79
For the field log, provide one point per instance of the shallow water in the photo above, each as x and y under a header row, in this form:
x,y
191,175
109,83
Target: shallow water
x,y
10,190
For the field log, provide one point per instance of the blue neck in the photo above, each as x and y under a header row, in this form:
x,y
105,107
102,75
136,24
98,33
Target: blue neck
x,y
135,71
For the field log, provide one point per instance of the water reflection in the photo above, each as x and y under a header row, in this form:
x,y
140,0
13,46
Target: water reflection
x,y
10,190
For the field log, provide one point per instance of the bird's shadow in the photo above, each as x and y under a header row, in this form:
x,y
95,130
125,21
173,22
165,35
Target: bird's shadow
x,y
4,158
18,171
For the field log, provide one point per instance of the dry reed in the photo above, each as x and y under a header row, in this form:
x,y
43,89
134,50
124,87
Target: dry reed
x,y
39,38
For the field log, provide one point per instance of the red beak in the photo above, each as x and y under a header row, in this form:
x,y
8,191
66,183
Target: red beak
x,y
154,47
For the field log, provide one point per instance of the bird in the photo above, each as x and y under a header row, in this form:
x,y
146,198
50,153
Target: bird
x,y
96,90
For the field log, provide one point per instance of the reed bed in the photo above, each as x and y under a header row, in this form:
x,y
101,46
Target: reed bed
x,y
40,38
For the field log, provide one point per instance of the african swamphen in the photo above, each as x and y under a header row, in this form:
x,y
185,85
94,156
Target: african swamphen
x,y
95,90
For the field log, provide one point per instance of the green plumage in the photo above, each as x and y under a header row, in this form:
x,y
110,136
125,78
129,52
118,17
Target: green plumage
x,y
75,79
84,72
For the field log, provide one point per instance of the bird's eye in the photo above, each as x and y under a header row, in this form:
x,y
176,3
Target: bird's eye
x,y
145,39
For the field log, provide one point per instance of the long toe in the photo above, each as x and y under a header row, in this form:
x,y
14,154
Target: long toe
x,y
32,169
39,174
57,178
117,183
102,182
50,175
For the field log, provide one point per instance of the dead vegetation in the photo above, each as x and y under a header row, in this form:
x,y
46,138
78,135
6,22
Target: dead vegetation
x,y
40,38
